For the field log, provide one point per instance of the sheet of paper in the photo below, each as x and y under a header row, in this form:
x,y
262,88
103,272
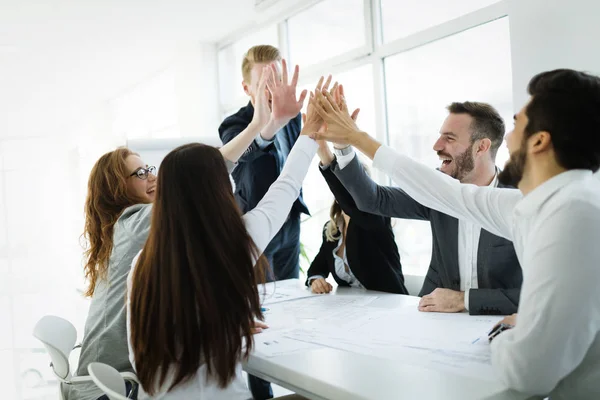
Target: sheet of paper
x,y
273,344
449,342
280,291
452,342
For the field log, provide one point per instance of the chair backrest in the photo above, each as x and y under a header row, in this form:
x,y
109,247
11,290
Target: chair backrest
x,y
58,336
109,380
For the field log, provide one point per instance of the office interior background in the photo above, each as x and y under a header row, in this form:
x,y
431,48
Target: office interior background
x,y
79,78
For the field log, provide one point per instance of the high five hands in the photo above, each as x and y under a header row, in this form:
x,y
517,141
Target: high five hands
x,y
327,115
337,124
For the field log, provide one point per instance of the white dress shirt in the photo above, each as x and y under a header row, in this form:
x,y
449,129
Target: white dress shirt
x,y
262,223
468,241
555,347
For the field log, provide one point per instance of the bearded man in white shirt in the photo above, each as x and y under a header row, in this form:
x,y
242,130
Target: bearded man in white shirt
x,y
553,221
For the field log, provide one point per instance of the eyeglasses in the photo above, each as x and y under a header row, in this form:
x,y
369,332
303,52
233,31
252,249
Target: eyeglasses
x,y
142,173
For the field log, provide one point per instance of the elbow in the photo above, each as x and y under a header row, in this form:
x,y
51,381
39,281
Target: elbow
x,y
364,205
529,384
524,375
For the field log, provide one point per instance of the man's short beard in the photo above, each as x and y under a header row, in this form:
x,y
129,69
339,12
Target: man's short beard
x,y
512,173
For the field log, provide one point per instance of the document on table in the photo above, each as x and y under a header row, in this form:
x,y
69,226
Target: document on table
x,y
273,344
452,342
280,291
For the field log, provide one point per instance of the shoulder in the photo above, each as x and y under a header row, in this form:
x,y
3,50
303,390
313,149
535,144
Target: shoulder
x,y
242,116
135,211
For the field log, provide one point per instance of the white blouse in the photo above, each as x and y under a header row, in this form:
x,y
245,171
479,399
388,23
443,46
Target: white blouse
x,y
340,267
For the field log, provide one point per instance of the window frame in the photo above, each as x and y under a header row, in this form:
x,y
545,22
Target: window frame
x,y
374,52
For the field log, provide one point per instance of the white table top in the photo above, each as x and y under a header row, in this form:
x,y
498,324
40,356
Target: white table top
x,y
328,373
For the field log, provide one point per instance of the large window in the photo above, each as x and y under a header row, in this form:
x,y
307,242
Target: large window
x,y
401,18
472,65
433,53
420,83
358,86
326,30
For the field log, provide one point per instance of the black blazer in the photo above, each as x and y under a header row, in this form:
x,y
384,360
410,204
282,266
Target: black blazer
x,y
370,247
258,168
499,273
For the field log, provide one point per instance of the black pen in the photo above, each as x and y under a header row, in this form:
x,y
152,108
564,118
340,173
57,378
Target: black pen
x,y
497,330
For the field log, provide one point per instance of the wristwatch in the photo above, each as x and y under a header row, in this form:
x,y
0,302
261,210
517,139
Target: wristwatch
x,y
342,152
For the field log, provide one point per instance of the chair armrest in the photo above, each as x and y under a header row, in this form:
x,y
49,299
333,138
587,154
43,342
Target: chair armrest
x,y
130,376
78,379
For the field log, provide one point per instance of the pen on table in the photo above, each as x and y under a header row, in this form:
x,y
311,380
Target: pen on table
x,y
263,309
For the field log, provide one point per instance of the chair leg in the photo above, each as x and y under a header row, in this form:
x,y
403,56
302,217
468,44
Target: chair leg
x,y
60,391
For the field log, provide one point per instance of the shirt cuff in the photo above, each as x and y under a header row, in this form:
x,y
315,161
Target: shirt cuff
x,y
312,278
262,143
467,299
344,160
324,167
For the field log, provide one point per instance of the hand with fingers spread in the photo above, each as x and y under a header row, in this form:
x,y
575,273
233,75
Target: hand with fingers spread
x,y
443,300
320,286
262,111
285,106
312,121
341,126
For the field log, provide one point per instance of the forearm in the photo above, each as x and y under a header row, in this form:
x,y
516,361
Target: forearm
x,y
325,155
493,301
365,143
236,147
268,131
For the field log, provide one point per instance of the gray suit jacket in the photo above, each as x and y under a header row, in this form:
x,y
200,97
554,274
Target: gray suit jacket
x,y
498,271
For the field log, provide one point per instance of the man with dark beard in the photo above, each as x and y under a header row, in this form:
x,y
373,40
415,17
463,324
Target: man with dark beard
x,y
470,268
552,347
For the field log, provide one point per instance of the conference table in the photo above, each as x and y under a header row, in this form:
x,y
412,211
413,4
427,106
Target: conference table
x,y
330,371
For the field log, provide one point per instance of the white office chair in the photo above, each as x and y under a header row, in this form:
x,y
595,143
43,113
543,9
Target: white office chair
x,y
109,380
58,336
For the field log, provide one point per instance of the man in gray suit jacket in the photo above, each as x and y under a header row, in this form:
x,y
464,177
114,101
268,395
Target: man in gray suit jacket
x,y
470,268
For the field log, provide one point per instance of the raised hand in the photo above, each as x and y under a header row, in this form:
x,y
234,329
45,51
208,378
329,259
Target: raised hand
x,y
262,113
283,94
341,126
312,121
340,99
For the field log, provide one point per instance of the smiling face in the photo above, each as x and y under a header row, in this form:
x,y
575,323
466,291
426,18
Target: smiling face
x,y
142,189
454,146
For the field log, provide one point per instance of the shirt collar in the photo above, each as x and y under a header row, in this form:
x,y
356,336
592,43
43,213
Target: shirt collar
x,y
538,196
494,182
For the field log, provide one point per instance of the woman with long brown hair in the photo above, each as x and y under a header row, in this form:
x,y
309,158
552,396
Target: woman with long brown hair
x,y
121,190
192,293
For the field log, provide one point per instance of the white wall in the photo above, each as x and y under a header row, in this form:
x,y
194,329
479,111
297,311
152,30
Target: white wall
x,y
197,91
549,34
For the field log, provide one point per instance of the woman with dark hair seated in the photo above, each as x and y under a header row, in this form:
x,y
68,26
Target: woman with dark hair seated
x,y
192,292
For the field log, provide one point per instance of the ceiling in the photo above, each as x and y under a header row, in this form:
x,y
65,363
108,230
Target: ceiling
x,y
60,57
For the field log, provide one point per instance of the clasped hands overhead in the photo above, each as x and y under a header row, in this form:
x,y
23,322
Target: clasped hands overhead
x,y
327,116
